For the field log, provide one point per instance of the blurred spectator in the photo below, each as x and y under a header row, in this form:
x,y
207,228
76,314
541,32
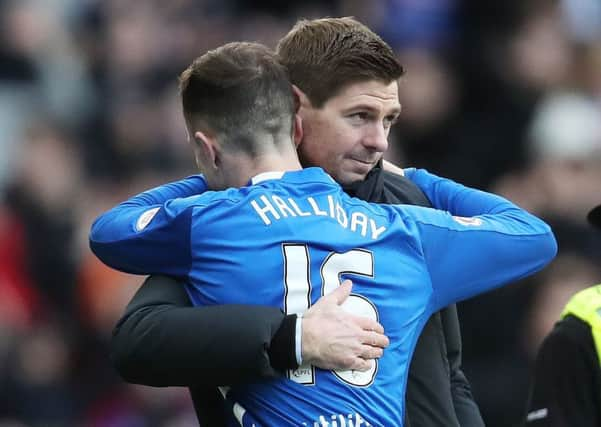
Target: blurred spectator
x,y
19,301
567,274
567,371
565,137
583,19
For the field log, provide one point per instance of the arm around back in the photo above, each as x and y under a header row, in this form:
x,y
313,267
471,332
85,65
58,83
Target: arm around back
x,y
163,341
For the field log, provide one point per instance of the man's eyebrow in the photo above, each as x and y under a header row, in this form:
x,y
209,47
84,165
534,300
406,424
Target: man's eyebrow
x,y
363,106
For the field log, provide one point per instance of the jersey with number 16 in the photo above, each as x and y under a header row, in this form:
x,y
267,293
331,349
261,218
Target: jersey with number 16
x,y
289,238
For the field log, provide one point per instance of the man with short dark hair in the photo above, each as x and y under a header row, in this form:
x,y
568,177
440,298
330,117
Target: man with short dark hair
x,y
288,235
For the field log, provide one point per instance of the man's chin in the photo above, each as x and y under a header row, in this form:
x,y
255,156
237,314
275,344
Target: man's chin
x,y
361,169
350,177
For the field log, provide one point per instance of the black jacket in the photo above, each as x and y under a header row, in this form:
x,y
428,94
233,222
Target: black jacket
x,y
162,341
566,390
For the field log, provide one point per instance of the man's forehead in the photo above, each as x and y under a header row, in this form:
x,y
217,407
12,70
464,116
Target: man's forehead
x,y
371,93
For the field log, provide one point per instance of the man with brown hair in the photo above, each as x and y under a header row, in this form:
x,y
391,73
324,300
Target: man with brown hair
x,y
287,235
347,86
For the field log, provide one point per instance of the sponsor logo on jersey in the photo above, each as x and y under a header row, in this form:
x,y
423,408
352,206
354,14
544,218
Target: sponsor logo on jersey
x,y
339,420
145,218
468,221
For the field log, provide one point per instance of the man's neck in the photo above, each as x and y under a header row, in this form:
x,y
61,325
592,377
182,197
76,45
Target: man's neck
x,y
246,168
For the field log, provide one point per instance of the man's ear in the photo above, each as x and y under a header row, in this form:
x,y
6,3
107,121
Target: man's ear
x,y
300,98
301,101
208,148
298,130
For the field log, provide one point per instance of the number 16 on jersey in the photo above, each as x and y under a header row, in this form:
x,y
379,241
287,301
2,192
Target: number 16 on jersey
x,y
298,298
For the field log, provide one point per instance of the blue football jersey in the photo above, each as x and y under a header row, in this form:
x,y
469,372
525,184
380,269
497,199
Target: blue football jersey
x,y
289,238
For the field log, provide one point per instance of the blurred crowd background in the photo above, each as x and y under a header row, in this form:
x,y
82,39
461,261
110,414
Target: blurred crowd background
x,y
503,96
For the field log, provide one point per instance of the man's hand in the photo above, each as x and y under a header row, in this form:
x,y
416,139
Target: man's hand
x,y
337,340
389,167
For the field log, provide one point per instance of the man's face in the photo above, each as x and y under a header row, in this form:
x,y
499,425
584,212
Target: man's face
x,y
348,135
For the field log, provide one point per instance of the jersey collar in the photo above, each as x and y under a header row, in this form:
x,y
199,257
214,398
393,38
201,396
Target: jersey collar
x,y
265,176
304,175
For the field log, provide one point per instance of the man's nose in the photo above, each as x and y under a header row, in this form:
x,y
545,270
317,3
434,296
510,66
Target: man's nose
x,y
376,139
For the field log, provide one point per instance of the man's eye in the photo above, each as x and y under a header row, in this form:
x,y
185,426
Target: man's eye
x,y
390,120
359,116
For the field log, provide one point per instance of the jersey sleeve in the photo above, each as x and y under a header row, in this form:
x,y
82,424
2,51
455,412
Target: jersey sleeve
x,y
453,197
149,233
470,255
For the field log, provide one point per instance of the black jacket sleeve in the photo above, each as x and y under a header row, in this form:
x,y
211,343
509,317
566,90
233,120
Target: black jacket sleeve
x,y
429,399
468,413
566,390
162,341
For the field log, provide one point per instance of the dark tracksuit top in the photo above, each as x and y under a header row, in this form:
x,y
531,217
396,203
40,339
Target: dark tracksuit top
x,y
566,389
163,341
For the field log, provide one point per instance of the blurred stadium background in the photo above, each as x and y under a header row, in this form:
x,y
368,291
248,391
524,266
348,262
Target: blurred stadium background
x,y
504,96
